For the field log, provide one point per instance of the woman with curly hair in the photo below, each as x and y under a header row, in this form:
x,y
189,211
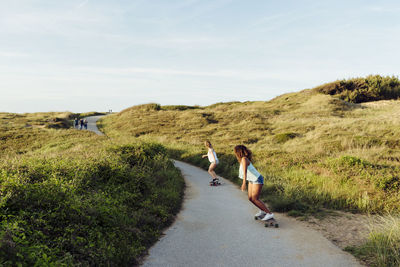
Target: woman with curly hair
x,y
247,172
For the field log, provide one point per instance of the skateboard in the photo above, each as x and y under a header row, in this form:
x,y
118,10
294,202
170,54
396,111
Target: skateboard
x,y
271,222
215,183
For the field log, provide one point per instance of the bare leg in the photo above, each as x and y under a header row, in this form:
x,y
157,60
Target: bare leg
x,y
254,195
211,170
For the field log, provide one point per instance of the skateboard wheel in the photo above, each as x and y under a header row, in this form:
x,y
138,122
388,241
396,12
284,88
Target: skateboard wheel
x,y
255,218
276,225
266,225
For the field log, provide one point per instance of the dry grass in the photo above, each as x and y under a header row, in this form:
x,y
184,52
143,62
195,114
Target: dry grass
x,y
319,149
315,151
382,248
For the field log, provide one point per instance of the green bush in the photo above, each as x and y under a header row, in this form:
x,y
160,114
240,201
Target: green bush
x,y
353,161
359,90
105,209
284,137
388,183
179,107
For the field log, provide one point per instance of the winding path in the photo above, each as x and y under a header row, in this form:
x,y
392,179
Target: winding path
x,y
216,228
92,124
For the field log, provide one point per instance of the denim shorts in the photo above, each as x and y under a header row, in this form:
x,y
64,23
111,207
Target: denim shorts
x,y
260,180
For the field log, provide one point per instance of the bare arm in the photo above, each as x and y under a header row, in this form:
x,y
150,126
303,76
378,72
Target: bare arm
x,y
204,156
243,162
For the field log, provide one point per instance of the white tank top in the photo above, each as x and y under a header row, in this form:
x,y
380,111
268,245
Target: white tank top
x,y
210,155
252,173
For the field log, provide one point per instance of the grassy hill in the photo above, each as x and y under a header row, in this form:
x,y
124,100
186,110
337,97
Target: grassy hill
x,y
70,197
315,149
327,147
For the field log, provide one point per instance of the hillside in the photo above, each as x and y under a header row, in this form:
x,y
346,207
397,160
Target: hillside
x,y
72,198
315,149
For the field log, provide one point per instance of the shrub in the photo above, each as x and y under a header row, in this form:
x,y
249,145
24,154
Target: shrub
x,y
359,90
284,137
388,183
178,107
101,208
353,161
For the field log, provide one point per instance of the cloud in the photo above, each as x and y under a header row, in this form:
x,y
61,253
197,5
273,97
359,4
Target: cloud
x,y
222,73
13,54
106,23
60,20
178,41
82,4
383,9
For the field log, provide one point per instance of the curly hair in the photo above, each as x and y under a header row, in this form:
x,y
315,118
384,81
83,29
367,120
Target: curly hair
x,y
242,151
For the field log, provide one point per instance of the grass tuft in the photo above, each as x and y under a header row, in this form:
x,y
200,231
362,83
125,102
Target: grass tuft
x,y
383,246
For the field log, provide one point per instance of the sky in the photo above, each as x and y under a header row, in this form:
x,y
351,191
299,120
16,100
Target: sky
x,y
97,55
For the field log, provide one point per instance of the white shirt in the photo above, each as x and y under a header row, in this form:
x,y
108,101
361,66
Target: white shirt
x,y
210,154
252,173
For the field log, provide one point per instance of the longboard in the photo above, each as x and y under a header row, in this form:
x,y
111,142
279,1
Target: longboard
x,y
215,183
271,222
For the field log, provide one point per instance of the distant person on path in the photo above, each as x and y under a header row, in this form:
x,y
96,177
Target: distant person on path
x,y
81,124
247,172
76,123
85,122
212,157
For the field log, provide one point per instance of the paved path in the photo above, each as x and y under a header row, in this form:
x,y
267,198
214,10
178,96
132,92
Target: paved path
x,y
216,228
92,124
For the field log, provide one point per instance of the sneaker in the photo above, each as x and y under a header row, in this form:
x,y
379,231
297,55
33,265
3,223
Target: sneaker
x,y
261,213
268,217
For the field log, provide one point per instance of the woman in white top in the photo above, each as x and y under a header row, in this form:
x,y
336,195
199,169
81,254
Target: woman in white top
x,y
212,157
247,172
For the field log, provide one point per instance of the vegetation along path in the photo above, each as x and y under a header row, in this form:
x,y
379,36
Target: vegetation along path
x,y
216,228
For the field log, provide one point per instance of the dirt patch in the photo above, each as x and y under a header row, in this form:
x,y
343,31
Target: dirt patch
x,y
342,228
